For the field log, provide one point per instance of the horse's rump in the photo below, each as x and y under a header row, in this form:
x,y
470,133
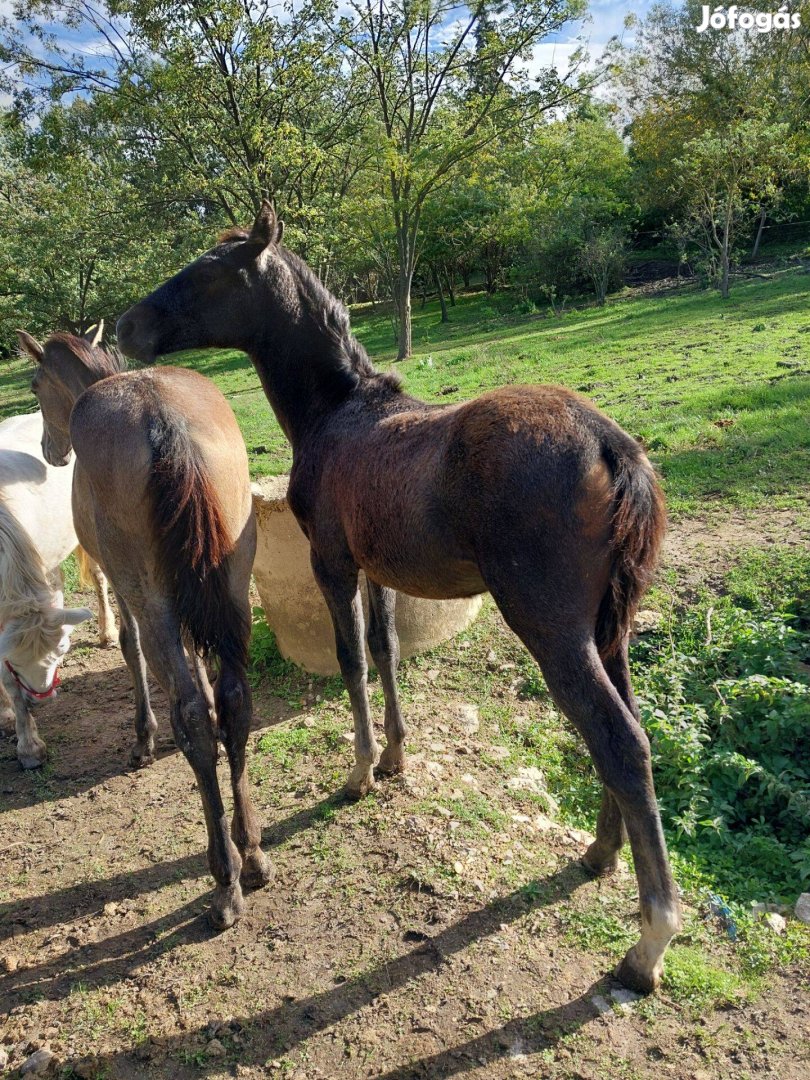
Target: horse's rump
x,y
192,539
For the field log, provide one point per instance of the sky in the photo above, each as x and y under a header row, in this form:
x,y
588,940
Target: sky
x,y
606,20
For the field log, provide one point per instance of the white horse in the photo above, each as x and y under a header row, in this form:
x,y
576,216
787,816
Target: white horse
x,y
36,535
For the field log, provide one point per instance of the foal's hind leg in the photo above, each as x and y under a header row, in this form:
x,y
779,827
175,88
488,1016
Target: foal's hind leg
x,y
143,752
621,753
620,750
602,856
195,736
383,644
342,596
233,706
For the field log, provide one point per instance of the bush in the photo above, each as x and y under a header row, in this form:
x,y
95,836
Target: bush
x,y
726,703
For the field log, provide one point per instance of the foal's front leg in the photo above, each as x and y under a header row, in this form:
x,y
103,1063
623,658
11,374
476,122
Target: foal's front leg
x,y
31,750
6,708
106,619
342,595
384,646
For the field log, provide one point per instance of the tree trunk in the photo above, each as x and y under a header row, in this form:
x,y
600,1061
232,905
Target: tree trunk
x,y
451,287
762,216
724,267
437,277
404,342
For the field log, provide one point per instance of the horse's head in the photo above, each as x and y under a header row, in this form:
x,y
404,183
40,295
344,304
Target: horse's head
x,y
32,646
65,366
212,302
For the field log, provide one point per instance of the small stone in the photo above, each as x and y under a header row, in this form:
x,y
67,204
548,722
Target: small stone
x,y
38,1064
469,719
602,1005
701,1074
775,922
110,909
624,998
646,621
803,908
434,768
308,722
215,1048
348,736
500,753
9,964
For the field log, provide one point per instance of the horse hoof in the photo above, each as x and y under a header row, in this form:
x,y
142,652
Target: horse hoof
x,y
140,759
227,906
596,863
360,782
34,757
392,761
257,870
642,980
108,642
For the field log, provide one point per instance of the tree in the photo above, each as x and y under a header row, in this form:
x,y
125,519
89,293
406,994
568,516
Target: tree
x,y
76,243
440,88
725,176
223,103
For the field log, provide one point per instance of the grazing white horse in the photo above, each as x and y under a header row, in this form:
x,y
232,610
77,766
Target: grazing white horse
x,y
36,535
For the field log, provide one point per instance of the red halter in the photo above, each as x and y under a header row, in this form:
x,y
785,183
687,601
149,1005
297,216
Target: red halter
x,y
38,695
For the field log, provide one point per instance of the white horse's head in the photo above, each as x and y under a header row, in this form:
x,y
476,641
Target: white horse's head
x,y
32,647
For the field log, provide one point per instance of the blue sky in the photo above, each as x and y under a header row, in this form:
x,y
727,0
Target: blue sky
x,y
606,20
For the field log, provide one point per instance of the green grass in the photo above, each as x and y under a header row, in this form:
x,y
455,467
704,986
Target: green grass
x,y
720,403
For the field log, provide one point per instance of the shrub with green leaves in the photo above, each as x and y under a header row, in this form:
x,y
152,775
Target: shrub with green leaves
x,y
725,699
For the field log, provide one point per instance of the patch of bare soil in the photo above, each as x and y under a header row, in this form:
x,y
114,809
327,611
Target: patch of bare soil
x,y
438,928
704,548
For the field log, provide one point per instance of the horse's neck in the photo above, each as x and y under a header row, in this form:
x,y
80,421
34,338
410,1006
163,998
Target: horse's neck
x,y
25,581
293,388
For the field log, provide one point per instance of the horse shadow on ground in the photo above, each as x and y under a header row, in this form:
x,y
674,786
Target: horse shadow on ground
x,y
89,729
80,901
292,1022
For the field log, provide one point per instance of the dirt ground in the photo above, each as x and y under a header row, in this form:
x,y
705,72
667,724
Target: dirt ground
x,y
398,939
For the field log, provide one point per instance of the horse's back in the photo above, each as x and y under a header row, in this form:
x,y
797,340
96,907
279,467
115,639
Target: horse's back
x,y
120,428
36,494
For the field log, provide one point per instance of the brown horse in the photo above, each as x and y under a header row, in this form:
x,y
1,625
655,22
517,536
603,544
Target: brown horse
x,y
528,492
161,499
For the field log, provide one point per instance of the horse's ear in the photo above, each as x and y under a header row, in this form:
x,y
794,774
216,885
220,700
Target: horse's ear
x,y
267,228
68,616
95,333
30,347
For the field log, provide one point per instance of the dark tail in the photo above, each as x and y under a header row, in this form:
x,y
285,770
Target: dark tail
x,y
193,543
639,524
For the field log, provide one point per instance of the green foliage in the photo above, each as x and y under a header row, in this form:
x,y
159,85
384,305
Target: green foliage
x,y
690,978
727,707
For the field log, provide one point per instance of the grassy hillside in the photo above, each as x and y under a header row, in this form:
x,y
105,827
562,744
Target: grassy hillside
x,y
718,392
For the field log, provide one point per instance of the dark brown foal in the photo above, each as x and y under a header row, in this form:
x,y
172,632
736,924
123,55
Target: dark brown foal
x,y
529,492
161,499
